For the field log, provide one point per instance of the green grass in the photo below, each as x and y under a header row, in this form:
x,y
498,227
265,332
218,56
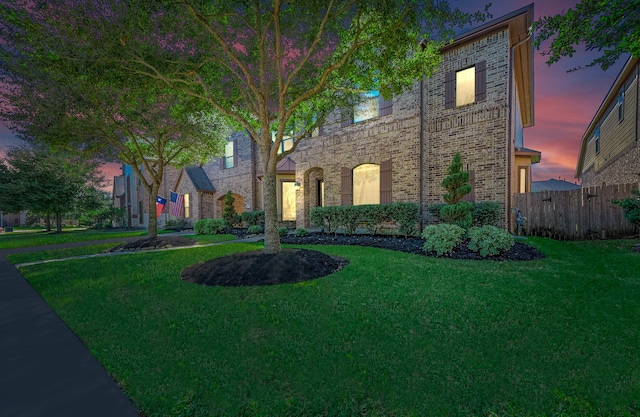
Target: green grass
x,y
390,334
204,239
60,253
21,240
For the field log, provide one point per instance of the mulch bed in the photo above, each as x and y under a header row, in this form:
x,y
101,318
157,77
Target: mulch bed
x,y
255,268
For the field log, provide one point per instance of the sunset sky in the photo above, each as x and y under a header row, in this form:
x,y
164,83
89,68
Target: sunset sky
x,y
565,102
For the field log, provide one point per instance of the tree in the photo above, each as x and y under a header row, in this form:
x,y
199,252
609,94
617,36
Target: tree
x,y
610,27
457,186
272,67
76,104
45,182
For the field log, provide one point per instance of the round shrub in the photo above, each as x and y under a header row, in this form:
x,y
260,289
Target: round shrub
x,y
489,240
283,231
208,226
301,232
254,230
442,238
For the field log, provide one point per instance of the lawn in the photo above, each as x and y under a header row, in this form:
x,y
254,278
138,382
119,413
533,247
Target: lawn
x,y
21,240
390,334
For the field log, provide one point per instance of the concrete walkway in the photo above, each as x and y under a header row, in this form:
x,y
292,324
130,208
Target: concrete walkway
x,y
44,368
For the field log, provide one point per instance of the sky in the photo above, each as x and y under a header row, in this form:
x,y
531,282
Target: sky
x,y
565,102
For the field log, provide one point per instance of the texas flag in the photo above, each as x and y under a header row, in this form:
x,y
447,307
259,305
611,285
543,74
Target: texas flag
x,y
160,202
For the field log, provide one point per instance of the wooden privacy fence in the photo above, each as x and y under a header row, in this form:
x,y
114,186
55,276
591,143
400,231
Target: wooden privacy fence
x,y
585,213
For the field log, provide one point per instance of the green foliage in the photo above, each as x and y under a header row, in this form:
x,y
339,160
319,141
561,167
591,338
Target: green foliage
x,y
349,218
434,211
229,214
457,186
442,238
486,213
209,226
326,217
373,215
178,224
255,229
610,27
301,232
631,207
252,218
406,216
283,231
489,240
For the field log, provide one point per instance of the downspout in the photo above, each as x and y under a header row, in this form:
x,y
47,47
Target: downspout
x,y
421,160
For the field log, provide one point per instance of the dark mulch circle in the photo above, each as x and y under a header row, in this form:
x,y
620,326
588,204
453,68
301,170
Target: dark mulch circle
x,y
257,268
160,242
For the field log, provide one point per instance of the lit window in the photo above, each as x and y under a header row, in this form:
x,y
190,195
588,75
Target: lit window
x,y
523,180
465,86
366,184
228,155
187,211
288,201
367,108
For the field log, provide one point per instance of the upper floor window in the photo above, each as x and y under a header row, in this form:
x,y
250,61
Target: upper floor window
x,y
371,105
621,105
597,140
466,86
229,154
285,145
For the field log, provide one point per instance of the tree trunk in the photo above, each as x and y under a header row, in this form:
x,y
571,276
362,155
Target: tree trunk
x,y
153,219
59,222
269,188
47,222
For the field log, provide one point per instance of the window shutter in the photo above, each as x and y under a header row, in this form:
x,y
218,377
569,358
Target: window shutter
x,y
385,107
235,153
450,90
471,197
385,182
347,187
481,81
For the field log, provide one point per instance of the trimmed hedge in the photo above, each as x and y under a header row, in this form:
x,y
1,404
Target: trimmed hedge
x,y
209,226
253,218
371,216
283,231
254,230
482,213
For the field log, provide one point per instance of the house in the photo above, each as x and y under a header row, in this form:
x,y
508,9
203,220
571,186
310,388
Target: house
x,y
477,103
609,150
553,185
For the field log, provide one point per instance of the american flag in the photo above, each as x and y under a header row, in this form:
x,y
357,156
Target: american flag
x,y
175,206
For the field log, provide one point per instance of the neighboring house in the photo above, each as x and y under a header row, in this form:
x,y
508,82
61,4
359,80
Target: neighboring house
x,y
553,185
13,219
609,151
129,192
382,151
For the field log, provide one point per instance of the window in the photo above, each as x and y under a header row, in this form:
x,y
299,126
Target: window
x,y
288,200
597,140
320,195
366,184
522,180
367,108
621,105
465,86
187,211
285,145
229,154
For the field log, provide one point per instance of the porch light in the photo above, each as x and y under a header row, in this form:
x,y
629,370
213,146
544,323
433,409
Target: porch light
x,y
296,186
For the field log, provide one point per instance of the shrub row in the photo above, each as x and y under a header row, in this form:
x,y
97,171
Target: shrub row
x,y
370,216
482,213
486,240
209,226
253,218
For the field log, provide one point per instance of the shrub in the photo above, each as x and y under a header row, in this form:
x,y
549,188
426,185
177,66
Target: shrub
x,y
301,232
229,214
631,207
489,240
209,226
456,183
486,213
283,231
179,224
254,230
442,238
406,216
433,211
349,218
373,215
326,217
252,218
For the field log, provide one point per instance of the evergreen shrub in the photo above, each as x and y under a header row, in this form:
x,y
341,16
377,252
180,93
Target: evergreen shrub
x,y
489,240
442,238
254,230
209,226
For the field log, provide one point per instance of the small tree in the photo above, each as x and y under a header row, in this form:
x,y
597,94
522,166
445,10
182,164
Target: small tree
x,y
229,214
457,186
631,208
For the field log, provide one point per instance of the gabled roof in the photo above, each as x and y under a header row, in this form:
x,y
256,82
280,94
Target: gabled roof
x,y
553,185
518,22
199,179
286,166
631,65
